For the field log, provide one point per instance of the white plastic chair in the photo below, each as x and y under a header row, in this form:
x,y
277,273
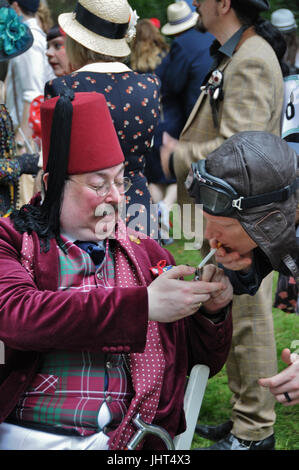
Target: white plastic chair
x,y
194,393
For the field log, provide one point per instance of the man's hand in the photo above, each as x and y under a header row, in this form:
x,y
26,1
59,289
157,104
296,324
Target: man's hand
x,y
232,259
285,381
171,298
169,145
218,299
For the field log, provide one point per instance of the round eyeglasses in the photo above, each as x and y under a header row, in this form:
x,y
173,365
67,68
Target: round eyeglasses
x,y
122,185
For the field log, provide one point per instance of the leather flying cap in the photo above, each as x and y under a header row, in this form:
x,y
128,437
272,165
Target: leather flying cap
x,y
254,163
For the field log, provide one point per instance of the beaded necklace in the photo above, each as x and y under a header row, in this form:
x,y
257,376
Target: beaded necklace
x,y
7,135
7,147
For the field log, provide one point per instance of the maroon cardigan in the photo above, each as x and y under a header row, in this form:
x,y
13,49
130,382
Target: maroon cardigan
x,y
35,318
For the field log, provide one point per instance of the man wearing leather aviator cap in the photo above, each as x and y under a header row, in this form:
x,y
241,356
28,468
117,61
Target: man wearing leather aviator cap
x,y
243,92
247,188
249,182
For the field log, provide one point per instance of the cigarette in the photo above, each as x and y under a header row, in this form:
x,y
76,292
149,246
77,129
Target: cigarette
x,y
209,255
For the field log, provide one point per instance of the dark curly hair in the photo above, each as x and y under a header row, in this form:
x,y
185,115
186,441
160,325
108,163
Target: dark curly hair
x,y
44,219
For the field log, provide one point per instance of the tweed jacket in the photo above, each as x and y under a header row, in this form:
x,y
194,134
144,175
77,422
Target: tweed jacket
x,y
35,317
252,100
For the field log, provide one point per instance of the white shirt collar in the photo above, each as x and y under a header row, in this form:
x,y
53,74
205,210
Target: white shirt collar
x,y
105,67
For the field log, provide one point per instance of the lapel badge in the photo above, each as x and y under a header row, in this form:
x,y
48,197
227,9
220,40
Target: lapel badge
x,y
214,86
135,239
216,78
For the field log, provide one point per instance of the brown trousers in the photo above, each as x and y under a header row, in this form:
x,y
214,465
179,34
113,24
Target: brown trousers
x,y
253,355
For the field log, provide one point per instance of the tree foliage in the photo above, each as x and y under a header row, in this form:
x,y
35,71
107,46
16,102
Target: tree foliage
x,y
151,8
60,6
158,8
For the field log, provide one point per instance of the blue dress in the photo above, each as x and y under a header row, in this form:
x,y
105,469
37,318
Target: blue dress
x,y
133,100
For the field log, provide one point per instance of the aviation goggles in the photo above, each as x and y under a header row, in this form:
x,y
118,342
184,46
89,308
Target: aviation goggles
x,y
220,198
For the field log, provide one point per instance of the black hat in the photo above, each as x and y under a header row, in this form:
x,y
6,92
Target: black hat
x,y
30,5
15,36
259,5
54,32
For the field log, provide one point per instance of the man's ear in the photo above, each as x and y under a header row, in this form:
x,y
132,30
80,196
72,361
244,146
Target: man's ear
x,y
224,6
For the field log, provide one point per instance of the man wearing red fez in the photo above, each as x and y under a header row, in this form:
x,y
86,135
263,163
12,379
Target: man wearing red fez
x,y
95,340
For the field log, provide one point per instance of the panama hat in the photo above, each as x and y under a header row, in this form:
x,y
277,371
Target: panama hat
x,y
284,20
99,25
180,18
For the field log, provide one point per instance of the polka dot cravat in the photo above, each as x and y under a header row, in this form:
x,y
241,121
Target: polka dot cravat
x,y
147,368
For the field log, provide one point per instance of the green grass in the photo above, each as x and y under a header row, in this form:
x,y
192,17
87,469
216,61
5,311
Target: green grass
x,y
216,406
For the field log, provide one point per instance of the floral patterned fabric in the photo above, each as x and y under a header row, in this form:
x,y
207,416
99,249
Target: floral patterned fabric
x,y
133,100
286,296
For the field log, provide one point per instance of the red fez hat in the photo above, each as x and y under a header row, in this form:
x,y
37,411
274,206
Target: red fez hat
x,y
92,141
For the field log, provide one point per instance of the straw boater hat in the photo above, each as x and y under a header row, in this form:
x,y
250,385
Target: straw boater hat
x,y
180,18
99,25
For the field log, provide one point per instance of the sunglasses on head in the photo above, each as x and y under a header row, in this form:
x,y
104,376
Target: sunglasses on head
x,y
221,199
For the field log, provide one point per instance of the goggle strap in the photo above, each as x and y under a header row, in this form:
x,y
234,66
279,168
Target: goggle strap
x,y
261,199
